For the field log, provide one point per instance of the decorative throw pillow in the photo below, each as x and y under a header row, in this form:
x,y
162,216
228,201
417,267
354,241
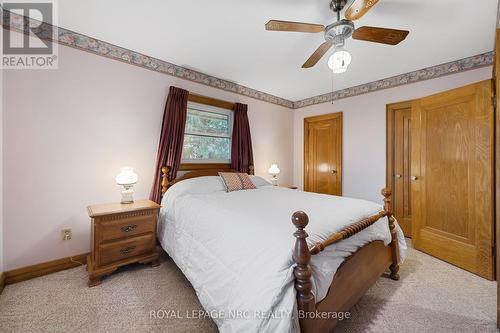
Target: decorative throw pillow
x,y
236,181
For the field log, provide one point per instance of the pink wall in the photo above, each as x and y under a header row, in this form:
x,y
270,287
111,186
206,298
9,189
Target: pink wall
x,y
364,130
68,131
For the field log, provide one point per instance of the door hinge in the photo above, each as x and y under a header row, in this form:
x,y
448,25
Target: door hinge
x,y
494,101
494,250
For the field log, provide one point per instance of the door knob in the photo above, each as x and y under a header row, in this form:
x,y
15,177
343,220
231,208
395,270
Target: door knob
x,y
413,177
397,175
334,171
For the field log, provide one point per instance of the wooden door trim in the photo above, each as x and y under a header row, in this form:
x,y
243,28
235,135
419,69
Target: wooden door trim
x,y
307,122
496,169
389,152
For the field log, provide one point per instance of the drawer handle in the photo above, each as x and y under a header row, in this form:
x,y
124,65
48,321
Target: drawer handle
x,y
129,228
127,249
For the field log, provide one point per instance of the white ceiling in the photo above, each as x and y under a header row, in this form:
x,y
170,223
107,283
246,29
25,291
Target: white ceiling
x,y
227,39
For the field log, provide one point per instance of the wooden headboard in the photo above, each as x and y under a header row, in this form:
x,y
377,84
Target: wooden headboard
x,y
165,183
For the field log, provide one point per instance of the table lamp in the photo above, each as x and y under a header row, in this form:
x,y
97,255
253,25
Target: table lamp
x,y
127,178
274,171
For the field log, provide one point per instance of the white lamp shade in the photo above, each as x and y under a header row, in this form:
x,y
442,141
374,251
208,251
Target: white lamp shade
x,y
127,176
339,61
274,170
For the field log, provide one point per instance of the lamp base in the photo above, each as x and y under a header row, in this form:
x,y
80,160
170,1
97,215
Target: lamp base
x,y
127,196
274,181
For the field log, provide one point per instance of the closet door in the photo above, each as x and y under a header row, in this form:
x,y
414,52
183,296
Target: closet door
x,y
402,160
452,177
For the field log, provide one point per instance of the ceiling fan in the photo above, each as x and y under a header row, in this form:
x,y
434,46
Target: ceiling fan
x,y
337,32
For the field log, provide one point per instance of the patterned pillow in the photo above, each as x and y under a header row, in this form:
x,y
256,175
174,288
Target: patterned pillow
x,y
236,181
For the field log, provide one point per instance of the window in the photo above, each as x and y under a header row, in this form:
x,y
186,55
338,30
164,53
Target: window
x,y
207,137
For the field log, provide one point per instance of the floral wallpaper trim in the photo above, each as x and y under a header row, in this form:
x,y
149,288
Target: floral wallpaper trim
x,y
89,44
98,47
433,72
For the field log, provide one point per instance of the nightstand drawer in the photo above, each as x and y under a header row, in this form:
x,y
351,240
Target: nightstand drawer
x,y
130,226
130,247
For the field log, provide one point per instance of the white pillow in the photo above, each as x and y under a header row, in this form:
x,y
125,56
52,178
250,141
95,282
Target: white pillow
x,y
203,185
259,181
198,185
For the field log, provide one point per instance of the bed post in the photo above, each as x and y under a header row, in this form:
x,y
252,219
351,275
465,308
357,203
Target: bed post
x,y
386,192
250,170
164,179
306,303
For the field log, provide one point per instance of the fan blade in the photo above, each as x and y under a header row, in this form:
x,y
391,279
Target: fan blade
x,y
380,35
275,25
320,52
359,8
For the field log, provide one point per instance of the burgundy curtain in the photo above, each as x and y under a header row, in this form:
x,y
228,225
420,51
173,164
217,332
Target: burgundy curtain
x,y
241,149
171,138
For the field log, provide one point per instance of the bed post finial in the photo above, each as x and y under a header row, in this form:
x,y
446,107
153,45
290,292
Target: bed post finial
x,y
386,192
164,179
251,170
302,271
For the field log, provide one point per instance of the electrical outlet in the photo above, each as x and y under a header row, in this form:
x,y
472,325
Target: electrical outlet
x,y
66,234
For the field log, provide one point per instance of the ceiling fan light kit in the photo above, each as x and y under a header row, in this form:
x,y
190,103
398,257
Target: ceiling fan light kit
x,y
338,32
339,61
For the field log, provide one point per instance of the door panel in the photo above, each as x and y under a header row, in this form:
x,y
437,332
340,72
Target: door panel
x,y
402,158
323,154
452,158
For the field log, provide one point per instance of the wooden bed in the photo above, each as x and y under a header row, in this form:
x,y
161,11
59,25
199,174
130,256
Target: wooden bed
x,y
352,279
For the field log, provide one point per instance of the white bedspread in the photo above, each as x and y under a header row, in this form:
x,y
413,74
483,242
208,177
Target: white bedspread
x,y
236,248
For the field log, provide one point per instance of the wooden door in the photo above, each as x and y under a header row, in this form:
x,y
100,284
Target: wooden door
x,y
452,177
399,161
323,154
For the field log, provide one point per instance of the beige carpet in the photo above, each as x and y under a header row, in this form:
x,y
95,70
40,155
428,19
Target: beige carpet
x,y
431,296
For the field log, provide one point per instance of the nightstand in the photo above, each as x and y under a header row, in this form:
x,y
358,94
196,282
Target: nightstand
x,y
121,234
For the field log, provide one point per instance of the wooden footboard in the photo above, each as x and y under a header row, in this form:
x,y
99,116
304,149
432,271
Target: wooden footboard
x,y
353,278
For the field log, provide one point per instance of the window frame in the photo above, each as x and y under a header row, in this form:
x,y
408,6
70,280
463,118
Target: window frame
x,y
210,108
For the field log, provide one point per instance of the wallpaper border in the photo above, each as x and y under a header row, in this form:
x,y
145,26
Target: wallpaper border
x,y
454,67
85,43
82,42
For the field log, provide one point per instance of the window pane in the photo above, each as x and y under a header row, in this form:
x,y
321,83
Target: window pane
x,y
207,122
205,148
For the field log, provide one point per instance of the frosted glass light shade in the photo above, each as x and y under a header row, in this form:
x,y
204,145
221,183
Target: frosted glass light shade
x,y
127,176
339,61
274,170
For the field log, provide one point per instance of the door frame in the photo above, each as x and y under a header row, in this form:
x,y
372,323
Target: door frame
x,y
496,169
309,120
389,139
